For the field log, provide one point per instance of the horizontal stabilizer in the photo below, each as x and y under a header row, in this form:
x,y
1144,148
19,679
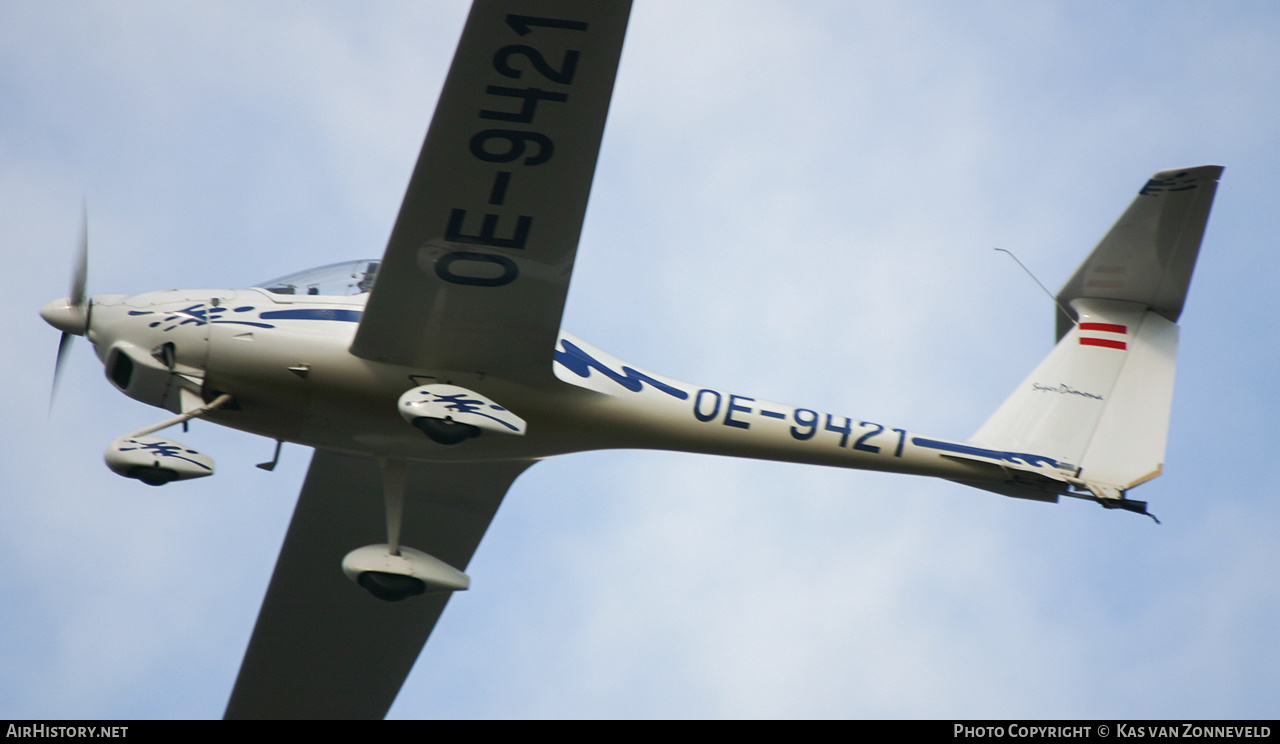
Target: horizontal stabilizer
x,y
1148,256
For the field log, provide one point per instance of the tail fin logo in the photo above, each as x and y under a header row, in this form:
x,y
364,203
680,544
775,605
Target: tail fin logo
x,y
1183,181
1106,343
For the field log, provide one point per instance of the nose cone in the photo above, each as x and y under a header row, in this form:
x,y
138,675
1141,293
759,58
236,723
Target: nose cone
x,y
66,317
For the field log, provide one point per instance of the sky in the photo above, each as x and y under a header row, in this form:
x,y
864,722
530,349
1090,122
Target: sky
x,y
795,202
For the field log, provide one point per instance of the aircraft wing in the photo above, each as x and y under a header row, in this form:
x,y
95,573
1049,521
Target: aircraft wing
x,y
476,271
325,648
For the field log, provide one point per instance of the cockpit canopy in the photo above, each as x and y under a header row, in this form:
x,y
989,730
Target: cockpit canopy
x,y
341,279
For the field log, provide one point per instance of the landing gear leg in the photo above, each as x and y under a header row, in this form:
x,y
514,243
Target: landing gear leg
x,y
393,493
393,572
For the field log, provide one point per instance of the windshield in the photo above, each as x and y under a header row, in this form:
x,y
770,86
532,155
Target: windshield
x,y
341,279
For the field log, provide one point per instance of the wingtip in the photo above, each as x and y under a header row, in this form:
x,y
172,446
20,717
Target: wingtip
x,y
1213,172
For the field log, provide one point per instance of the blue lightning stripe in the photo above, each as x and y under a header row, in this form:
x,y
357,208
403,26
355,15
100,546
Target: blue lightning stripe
x,y
1013,457
321,313
581,363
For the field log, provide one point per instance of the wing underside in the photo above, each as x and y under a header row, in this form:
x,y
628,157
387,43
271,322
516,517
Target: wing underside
x,y
478,264
474,279
323,647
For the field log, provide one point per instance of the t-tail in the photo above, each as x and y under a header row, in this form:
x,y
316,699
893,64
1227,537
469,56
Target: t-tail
x,y
1100,401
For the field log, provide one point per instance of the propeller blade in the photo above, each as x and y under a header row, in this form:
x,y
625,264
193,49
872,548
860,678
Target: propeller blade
x,y
64,345
77,300
80,271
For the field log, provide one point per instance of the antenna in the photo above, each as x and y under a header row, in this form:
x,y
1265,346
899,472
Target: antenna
x,y
1061,307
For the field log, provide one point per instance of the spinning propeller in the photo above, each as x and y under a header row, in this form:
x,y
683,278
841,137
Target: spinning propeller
x,y
71,314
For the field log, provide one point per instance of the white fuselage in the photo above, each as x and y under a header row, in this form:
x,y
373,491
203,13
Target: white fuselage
x,y
285,359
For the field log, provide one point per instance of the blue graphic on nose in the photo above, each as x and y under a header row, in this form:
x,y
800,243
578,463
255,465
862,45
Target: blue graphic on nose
x,y
202,314
319,313
199,314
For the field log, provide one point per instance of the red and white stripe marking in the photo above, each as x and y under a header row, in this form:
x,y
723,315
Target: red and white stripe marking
x,y
1105,342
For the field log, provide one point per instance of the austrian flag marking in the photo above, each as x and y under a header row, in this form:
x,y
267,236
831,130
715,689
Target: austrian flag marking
x,y
1109,343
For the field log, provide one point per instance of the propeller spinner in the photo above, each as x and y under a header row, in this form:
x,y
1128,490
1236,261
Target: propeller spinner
x,y
71,314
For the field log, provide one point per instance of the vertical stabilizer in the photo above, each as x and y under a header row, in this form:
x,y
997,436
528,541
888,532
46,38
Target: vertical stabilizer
x,y
1101,400
1149,254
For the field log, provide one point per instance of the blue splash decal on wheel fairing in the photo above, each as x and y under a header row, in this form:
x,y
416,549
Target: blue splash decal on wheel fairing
x,y
460,403
164,449
581,363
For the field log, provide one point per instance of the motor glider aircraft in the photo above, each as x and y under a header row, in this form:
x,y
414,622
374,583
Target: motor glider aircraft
x,y
428,380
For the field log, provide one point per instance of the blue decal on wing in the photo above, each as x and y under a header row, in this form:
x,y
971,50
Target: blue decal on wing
x,y
581,363
1013,457
316,313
